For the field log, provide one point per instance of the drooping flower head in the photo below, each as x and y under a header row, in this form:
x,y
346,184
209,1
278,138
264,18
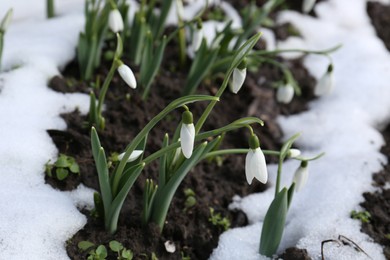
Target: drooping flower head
x,y
115,21
255,165
127,75
238,78
285,94
133,156
187,134
301,175
325,84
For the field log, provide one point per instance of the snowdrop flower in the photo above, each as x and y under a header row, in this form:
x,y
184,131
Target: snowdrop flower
x,y
115,21
133,156
285,94
127,75
325,84
187,134
238,78
300,176
308,5
255,165
293,153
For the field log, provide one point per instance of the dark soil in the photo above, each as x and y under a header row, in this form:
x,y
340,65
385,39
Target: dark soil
x,y
378,202
214,185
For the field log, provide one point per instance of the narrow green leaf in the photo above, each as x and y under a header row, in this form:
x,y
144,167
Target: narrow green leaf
x,y
159,26
287,145
163,164
290,194
273,225
244,50
200,67
95,143
165,194
104,182
128,179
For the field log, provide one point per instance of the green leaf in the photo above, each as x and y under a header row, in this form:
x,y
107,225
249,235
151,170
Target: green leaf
x,y
128,180
74,168
85,245
244,50
127,254
200,67
165,194
162,171
104,182
101,252
287,145
290,194
61,173
95,143
273,225
62,162
159,25
115,246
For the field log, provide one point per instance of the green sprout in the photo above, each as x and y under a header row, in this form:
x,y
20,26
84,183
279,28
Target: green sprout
x,y
190,199
217,220
63,166
100,252
363,216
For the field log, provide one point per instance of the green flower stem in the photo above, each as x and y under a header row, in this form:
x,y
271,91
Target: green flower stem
x,y
238,57
105,86
258,53
141,135
243,122
50,8
237,151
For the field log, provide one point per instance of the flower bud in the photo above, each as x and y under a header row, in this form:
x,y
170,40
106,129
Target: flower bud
x,y
285,94
325,84
187,134
127,75
115,21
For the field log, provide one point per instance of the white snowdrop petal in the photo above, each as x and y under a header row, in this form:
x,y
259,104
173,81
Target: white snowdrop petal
x,y
127,75
300,178
255,166
260,167
308,5
115,21
248,169
133,156
324,85
238,79
285,94
187,138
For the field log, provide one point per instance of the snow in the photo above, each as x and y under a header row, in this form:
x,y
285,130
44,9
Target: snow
x,y
37,220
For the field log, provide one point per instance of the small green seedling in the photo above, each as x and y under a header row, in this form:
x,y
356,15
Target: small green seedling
x,y
217,220
123,253
190,199
62,167
100,252
363,216
153,256
184,257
